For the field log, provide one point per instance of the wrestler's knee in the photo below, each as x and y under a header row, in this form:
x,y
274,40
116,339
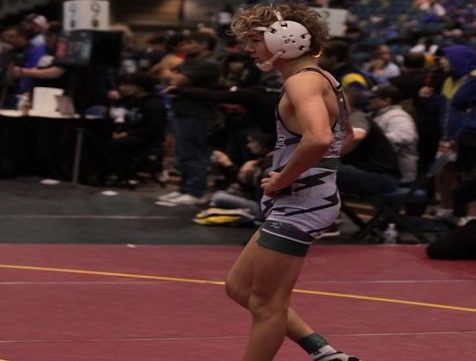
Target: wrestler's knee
x,y
236,291
262,307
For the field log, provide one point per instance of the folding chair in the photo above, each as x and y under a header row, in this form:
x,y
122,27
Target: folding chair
x,y
388,206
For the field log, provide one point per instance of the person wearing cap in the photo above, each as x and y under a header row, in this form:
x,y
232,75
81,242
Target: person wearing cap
x,y
399,127
300,194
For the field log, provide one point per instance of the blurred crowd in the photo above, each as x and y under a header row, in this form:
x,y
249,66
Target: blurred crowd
x,y
191,102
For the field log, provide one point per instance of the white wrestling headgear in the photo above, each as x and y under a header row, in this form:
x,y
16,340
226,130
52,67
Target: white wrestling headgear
x,y
284,39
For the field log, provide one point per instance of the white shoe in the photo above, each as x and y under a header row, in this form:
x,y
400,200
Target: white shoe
x,y
185,200
465,220
169,196
338,356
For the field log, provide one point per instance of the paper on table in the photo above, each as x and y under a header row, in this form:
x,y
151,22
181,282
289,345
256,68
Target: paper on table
x,y
45,102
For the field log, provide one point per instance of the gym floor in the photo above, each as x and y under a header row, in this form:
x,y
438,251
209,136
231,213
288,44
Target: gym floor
x,y
86,276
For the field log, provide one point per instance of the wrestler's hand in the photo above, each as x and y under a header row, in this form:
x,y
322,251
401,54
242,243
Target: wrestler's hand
x,y
271,185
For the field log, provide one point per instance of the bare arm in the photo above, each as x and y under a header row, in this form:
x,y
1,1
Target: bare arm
x,y
311,115
52,72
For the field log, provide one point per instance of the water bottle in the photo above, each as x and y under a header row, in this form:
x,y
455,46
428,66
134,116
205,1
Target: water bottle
x,y
24,104
391,233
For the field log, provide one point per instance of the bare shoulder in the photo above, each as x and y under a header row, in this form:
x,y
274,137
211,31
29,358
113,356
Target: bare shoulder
x,y
305,84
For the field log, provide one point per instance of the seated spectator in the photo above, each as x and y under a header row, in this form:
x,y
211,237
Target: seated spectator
x,y
431,10
139,126
369,164
244,191
399,127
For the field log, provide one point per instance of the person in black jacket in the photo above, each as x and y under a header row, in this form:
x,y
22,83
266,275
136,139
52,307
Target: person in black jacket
x,y
369,165
193,117
424,108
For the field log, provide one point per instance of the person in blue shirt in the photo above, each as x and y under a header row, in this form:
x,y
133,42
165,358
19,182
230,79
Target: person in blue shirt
x,y
25,54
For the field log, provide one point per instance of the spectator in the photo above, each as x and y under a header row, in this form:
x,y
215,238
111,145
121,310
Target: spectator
x,y
36,25
5,64
47,73
336,59
240,72
462,105
459,120
387,68
193,118
244,189
431,10
174,57
464,102
154,52
26,55
426,46
131,55
370,164
139,127
258,101
425,106
399,127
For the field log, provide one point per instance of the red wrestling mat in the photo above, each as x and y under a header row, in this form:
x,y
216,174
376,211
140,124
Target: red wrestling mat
x,y
165,303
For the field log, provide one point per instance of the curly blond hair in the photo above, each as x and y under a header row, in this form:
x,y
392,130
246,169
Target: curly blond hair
x,y
246,19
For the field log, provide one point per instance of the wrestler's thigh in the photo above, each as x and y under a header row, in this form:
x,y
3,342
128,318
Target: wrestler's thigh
x,y
240,275
274,276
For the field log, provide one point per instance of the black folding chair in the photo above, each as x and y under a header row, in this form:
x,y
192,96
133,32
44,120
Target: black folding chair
x,y
388,206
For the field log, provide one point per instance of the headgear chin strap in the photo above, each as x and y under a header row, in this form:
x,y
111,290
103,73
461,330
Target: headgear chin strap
x,y
284,39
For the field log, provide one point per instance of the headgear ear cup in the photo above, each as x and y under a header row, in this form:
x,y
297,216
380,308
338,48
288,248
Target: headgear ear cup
x,y
289,37
284,39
